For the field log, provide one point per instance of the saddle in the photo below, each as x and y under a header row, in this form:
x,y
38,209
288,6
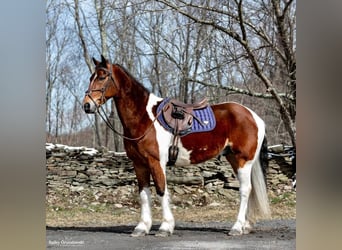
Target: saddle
x,y
179,116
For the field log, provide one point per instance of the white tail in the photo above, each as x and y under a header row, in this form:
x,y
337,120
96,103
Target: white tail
x,y
258,204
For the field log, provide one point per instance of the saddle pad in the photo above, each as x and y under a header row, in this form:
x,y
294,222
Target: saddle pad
x,y
205,115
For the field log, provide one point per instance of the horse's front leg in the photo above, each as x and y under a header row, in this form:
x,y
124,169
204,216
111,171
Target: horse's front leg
x,y
168,224
145,223
144,226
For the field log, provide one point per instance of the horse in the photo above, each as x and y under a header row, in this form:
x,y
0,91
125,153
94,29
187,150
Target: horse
x,y
239,135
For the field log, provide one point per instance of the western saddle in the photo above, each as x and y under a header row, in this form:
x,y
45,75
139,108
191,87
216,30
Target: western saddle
x,y
179,118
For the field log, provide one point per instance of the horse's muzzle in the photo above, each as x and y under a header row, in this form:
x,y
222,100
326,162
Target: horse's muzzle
x,y
88,108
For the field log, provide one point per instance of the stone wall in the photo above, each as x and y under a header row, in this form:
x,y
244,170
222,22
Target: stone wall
x,y
78,168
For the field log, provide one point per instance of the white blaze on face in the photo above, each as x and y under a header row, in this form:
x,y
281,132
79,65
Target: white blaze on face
x,y
164,138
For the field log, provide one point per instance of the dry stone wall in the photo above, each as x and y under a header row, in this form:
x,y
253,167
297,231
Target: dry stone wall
x,y
79,168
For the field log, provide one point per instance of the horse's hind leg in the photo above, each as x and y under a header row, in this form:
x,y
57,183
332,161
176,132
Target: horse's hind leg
x,y
144,226
242,226
159,178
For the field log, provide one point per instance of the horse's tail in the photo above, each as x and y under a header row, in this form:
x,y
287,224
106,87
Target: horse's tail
x,y
263,157
258,205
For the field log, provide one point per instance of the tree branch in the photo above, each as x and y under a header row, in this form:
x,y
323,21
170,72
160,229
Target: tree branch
x,y
241,91
289,123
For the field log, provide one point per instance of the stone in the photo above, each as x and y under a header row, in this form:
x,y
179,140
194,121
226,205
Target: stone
x,y
178,190
214,204
208,174
54,171
108,182
192,180
76,189
282,178
82,176
83,157
274,181
68,173
79,169
94,171
118,205
100,160
59,155
232,184
272,171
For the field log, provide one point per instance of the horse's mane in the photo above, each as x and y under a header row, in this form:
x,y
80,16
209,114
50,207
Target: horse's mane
x,y
131,76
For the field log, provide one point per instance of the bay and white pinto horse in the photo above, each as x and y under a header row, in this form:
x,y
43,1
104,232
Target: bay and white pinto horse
x,y
239,135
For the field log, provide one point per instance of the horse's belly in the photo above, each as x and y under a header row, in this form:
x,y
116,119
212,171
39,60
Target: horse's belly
x,y
195,150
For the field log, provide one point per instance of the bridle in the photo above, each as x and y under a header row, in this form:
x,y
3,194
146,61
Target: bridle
x,y
100,110
103,89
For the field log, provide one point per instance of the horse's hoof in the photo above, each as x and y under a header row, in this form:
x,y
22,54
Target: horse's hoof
x,y
138,233
247,230
163,233
235,232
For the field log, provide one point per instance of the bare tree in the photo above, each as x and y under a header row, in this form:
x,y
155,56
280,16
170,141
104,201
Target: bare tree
x,y
77,14
244,29
54,49
228,51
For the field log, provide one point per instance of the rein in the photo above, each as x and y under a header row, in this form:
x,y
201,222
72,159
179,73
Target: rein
x,y
104,116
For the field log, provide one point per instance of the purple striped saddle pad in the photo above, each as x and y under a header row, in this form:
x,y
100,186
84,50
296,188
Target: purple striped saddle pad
x,y
190,120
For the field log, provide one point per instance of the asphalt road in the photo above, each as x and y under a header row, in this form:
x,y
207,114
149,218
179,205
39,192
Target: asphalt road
x,y
275,234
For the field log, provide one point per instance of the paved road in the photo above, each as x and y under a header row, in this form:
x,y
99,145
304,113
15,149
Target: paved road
x,y
275,234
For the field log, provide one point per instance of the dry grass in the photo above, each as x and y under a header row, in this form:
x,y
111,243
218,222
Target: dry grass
x,y
66,211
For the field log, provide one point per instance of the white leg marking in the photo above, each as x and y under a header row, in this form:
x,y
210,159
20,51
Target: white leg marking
x,y
244,176
145,223
168,223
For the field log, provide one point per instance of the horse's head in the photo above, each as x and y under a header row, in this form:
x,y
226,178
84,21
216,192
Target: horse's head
x,y
102,86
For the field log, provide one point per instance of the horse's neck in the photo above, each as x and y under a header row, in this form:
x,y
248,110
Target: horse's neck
x,y
131,105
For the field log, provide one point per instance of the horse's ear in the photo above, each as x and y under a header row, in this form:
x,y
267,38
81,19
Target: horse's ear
x,y
104,60
96,62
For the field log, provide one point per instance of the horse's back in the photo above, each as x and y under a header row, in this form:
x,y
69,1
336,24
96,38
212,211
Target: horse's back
x,y
235,115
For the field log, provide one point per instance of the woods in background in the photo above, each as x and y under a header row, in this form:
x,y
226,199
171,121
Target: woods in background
x,y
241,51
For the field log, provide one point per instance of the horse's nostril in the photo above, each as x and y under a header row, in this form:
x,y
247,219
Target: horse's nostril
x,y
86,107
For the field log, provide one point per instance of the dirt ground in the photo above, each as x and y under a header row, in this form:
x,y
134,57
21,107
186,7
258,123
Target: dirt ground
x,y
274,234
101,208
104,219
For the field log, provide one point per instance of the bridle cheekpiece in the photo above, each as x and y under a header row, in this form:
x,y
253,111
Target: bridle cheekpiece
x,y
103,89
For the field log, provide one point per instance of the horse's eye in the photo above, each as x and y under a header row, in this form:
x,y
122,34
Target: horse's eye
x,y
101,78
